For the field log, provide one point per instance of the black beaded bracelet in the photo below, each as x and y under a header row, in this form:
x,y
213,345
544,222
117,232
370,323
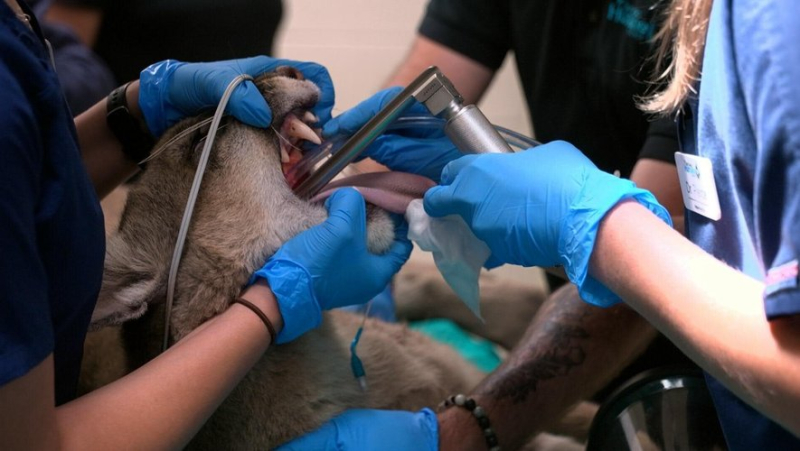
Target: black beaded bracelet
x,y
480,415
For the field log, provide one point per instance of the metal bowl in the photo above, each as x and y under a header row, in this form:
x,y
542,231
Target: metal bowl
x,y
662,409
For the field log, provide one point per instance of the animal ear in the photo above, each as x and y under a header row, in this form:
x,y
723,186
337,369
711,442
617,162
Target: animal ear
x,y
128,287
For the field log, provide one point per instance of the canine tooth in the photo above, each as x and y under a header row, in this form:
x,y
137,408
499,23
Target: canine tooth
x,y
284,154
310,118
299,129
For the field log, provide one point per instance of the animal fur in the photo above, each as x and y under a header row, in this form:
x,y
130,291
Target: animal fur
x,y
244,212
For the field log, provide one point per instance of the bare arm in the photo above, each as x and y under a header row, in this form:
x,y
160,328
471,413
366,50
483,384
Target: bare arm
x,y
102,153
661,179
570,351
469,77
715,314
159,406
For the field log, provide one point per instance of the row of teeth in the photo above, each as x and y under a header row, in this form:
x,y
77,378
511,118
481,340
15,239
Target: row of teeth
x,y
299,129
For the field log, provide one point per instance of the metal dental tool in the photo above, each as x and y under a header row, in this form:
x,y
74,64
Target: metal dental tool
x,y
466,126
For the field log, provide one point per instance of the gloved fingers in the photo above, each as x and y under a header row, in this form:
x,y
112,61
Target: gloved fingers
x,y
419,156
322,78
439,201
347,214
248,105
255,65
392,151
453,168
326,437
353,119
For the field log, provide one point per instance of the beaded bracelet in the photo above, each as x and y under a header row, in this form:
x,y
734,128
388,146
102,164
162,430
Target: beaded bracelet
x,y
479,413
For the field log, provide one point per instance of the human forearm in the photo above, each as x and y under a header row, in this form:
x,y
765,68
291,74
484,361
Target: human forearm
x,y
570,351
164,403
714,313
661,179
102,153
469,77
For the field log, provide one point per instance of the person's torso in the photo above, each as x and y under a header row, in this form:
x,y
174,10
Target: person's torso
x,y
582,66
740,124
135,34
68,237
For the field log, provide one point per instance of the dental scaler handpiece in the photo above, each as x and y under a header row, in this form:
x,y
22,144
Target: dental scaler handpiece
x,y
466,126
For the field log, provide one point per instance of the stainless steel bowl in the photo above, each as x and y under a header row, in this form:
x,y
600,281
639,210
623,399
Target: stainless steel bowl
x,y
662,409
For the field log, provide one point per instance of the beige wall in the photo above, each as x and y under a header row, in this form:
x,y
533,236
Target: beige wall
x,y
362,41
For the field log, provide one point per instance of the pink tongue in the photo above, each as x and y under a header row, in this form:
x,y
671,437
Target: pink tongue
x,y
391,191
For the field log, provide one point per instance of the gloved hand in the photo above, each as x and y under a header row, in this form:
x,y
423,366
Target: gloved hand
x,y
540,207
329,265
171,90
423,151
361,429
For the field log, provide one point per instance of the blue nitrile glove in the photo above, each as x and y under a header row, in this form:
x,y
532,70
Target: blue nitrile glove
x,y
423,151
171,90
540,207
361,429
329,265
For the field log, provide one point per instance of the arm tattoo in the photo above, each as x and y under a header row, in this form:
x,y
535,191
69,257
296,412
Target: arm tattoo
x,y
559,349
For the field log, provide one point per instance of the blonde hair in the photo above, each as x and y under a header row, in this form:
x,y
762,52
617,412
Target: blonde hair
x,y
681,41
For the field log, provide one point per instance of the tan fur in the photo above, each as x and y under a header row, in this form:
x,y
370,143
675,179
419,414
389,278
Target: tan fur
x,y
244,213
508,302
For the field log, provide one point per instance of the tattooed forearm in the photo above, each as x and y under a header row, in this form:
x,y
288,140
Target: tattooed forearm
x,y
558,349
582,346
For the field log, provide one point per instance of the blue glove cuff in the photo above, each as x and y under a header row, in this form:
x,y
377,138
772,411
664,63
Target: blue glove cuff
x,y
153,92
429,426
291,285
600,193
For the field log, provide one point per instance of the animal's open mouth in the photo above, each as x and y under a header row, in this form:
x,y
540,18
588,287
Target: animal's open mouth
x,y
294,132
391,191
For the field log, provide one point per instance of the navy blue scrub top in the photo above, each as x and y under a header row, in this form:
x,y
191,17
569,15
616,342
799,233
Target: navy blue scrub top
x,y
52,242
747,122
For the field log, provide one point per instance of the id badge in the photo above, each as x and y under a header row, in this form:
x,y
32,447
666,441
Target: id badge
x,y
697,185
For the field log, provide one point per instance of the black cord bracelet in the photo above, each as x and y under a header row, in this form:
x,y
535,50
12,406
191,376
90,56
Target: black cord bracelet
x,y
480,415
262,315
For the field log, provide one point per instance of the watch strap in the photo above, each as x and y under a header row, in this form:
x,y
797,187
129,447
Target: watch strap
x,y
136,143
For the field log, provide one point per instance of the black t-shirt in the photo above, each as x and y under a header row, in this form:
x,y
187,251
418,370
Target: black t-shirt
x,y
135,34
581,63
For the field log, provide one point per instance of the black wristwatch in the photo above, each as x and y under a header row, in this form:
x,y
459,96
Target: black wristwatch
x,y
136,143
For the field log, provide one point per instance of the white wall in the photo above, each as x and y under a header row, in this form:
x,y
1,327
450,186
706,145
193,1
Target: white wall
x,y
361,42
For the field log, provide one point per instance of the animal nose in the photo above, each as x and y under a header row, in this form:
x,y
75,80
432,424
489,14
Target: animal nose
x,y
290,72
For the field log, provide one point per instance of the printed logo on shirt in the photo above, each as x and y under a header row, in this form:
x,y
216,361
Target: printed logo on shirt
x,y
781,277
630,17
